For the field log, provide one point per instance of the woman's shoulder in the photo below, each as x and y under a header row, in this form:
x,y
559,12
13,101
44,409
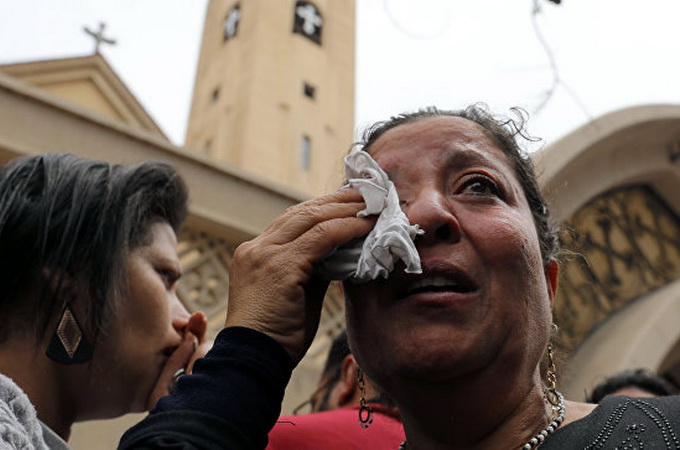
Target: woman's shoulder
x,y
19,423
614,409
624,422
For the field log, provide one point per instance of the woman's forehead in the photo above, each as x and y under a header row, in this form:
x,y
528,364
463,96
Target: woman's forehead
x,y
433,130
439,137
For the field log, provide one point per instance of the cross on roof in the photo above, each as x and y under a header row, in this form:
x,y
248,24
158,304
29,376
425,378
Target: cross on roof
x,y
99,37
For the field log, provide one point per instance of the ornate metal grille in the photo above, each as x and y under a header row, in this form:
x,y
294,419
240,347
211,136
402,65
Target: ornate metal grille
x,y
621,245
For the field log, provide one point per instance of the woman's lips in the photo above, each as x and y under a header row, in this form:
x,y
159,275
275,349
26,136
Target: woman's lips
x,y
440,283
452,282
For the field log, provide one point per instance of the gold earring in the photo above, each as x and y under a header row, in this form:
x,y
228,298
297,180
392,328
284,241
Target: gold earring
x,y
551,375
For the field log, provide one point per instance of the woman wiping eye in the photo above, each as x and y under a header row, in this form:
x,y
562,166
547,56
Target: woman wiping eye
x,y
458,344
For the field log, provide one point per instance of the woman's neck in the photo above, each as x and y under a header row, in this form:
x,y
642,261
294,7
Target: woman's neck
x,y
40,380
477,415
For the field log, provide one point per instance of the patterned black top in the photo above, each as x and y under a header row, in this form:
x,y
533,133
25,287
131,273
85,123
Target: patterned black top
x,y
623,423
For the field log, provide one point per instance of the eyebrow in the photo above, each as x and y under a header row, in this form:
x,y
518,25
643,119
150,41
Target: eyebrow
x,y
469,157
175,264
459,159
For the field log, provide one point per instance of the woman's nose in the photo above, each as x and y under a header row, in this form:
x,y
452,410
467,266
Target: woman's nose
x,y
432,212
179,314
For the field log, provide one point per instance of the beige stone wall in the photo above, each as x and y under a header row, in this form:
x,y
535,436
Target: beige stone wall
x,y
84,93
249,108
643,335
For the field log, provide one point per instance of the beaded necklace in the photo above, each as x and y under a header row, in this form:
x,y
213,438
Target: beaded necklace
x,y
542,435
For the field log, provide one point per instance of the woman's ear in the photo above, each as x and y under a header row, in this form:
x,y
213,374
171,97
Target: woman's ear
x,y
59,284
552,274
65,288
346,389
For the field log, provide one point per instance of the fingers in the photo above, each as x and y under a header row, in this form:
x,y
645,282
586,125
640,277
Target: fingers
x,y
326,236
197,325
272,282
307,218
178,360
301,217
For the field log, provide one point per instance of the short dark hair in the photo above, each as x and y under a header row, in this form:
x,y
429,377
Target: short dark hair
x,y
639,378
330,375
65,218
504,132
337,353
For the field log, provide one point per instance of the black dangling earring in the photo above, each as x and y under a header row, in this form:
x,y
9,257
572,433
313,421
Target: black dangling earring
x,y
69,344
365,410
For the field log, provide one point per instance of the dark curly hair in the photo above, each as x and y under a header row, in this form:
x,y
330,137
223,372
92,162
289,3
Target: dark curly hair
x,y
639,378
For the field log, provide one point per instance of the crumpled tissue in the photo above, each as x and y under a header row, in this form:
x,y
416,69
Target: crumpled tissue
x,y
392,236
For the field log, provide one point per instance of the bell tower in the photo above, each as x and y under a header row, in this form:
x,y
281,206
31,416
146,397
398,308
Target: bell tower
x,y
274,90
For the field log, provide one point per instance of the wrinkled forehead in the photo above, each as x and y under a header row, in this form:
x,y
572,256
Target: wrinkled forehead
x,y
437,137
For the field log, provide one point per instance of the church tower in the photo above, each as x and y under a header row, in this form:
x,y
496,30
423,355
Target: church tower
x,y
274,90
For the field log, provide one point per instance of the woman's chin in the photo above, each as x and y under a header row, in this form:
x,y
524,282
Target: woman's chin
x,y
432,370
433,364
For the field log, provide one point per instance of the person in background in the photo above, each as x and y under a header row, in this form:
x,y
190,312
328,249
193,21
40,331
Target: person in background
x,y
91,325
336,405
633,383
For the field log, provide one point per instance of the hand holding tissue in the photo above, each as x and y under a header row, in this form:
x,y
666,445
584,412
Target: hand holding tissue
x,y
392,236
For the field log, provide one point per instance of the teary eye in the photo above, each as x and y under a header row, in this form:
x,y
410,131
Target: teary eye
x,y
480,185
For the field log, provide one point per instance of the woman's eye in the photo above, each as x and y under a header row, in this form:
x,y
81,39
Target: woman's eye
x,y
481,185
169,277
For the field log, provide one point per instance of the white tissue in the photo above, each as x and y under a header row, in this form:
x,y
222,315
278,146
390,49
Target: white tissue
x,y
392,236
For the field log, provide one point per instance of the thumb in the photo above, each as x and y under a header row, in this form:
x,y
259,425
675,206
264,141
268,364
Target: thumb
x,y
178,360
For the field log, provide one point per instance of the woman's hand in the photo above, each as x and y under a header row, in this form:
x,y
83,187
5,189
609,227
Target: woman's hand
x,y
192,347
273,287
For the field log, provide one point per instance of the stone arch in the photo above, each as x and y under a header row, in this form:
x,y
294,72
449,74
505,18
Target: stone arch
x,y
632,147
642,334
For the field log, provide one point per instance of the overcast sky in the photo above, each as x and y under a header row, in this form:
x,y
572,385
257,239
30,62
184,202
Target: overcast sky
x,y
610,53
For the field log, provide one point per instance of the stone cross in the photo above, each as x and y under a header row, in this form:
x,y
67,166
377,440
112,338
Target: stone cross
x,y
311,19
99,37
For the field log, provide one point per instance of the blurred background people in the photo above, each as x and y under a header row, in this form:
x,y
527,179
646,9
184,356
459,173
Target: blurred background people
x,y
91,324
633,383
